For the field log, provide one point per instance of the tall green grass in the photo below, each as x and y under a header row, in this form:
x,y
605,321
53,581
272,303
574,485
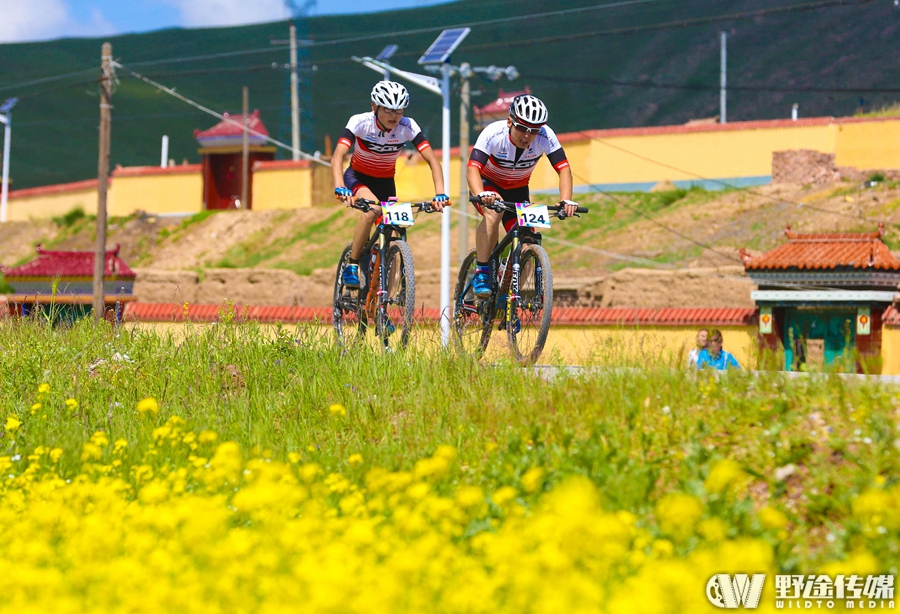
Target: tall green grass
x,y
637,433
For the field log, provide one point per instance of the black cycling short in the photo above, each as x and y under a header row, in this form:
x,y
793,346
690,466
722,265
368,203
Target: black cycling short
x,y
382,187
513,195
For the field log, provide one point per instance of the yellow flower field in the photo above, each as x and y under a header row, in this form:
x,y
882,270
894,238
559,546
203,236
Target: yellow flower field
x,y
332,483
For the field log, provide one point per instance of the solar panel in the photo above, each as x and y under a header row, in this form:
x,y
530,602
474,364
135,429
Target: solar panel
x,y
8,105
387,52
444,45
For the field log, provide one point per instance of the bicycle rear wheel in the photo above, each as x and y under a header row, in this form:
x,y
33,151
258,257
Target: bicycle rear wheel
x,y
472,321
348,315
529,313
394,317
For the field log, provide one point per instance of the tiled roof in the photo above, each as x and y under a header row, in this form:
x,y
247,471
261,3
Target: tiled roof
x,y
57,188
51,264
891,316
500,104
232,127
664,316
140,171
280,165
580,316
764,124
826,251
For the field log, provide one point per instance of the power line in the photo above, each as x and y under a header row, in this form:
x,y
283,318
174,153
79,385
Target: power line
x,y
687,86
721,182
209,111
683,23
476,24
47,79
669,267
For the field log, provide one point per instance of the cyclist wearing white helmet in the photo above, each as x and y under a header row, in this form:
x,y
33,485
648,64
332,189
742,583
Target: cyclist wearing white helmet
x,y
500,166
377,138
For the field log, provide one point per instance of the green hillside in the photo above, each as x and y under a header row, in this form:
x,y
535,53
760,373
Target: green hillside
x,y
649,63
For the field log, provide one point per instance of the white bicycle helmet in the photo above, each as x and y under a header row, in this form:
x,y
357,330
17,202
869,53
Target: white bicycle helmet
x,y
390,95
529,110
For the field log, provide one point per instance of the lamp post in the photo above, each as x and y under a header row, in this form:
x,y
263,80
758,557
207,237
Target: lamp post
x,y
6,118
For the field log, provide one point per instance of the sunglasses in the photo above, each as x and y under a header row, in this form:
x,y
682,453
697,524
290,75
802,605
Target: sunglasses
x,y
526,129
392,112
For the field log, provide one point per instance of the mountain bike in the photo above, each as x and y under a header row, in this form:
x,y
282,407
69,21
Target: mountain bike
x,y
387,291
521,298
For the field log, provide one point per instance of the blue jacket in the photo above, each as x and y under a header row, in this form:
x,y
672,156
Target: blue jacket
x,y
724,361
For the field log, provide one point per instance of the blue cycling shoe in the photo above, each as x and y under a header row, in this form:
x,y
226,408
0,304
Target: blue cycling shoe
x,y
389,328
481,285
350,276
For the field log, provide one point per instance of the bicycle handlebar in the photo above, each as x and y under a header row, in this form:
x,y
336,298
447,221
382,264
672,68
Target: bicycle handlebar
x,y
366,205
505,205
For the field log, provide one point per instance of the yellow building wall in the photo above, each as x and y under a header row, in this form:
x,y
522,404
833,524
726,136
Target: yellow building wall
x,y
685,156
166,192
868,145
641,345
282,189
890,350
45,206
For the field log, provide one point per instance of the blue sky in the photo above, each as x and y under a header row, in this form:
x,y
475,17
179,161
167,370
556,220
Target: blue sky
x,y
29,20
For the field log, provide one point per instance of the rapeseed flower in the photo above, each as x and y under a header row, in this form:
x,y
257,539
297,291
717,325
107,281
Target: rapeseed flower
x,y
12,424
355,459
677,514
148,406
533,479
71,404
725,475
337,410
772,518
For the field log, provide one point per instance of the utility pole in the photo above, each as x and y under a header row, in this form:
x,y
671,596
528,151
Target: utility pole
x,y
295,99
6,118
245,151
164,154
465,71
106,81
722,116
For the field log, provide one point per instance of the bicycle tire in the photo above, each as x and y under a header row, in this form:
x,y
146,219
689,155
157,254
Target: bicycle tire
x,y
532,308
471,326
396,311
346,311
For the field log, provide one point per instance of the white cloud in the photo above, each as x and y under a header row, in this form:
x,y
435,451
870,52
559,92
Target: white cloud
x,y
30,20
212,13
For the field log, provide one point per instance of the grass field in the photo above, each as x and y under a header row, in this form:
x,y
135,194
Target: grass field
x,y
233,468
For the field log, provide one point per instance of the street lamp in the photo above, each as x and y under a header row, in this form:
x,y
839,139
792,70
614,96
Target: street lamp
x,y
6,118
439,53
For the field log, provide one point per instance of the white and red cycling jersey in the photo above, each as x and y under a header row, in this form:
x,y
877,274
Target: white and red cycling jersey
x,y
503,164
376,151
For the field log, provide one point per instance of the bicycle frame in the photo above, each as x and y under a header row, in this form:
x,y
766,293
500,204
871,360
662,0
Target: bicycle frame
x,y
383,236
510,282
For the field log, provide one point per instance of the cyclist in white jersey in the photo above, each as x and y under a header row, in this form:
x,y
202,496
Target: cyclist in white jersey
x,y
500,166
377,138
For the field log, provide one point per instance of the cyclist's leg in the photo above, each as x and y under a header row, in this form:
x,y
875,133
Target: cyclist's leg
x,y
488,232
371,188
364,225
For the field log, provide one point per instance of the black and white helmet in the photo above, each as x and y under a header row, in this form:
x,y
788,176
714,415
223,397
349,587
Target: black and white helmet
x,y
529,110
390,95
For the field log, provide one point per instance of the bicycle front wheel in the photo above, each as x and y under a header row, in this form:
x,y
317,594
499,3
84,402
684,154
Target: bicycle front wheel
x,y
529,313
471,321
348,315
394,318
